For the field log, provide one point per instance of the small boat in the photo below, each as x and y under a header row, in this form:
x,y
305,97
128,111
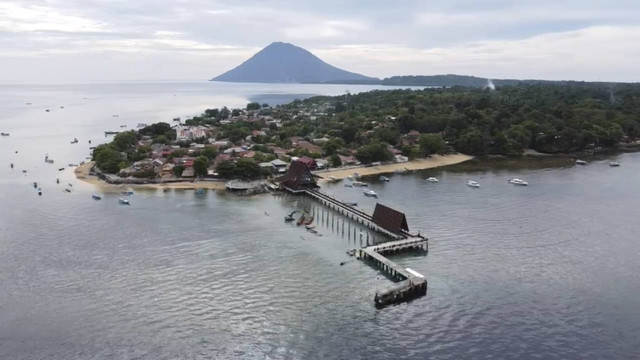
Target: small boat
x,y
57,181
61,169
289,217
310,227
359,184
614,163
47,110
28,103
123,126
516,181
61,107
127,193
96,197
115,115
39,191
89,143
123,201
356,176
473,184
111,132
199,191
308,221
70,185
581,162
67,190
35,185
348,185
166,190
176,119
369,192
300,220
72,165
383,178
4,134
12,165
350,177
75,141
432,179
49,161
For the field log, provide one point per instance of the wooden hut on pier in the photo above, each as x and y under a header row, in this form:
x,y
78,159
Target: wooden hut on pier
x,y
298,178
390,219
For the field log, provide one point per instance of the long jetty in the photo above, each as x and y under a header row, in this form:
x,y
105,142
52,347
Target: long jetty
x,y
412,283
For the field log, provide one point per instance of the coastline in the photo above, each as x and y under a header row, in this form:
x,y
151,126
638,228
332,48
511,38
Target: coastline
x,y
417,164
82,172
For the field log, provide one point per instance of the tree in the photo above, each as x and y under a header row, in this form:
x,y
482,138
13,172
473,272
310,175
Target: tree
x,y
177,170
431,144
107,159
200,166
160,139
335,160
253,106
332,146
125,141
247,169
225,169
472,142
209,152
375,151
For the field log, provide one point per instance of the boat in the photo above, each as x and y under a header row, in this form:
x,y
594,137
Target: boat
x,y
61,169
176,119
351,203
348,185
61,107
581,162
199,191
289,217
516,181
72,165
166,190
111,132
28,103
310,227
123,126
614,163
39,191
115,115
127,193
47,110
432,179
4,134
70,185
67,190
359,184
35,185
383,178
49,161
473,184
96,197
356,176
300,220
369,192
123,201
308,221
75,141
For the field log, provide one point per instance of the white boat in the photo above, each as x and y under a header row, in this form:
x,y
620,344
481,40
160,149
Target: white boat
x,y
516,181
432,179
614,163
369,192
333,179
123,201
581,162
356,176
473,184
359,184
383,178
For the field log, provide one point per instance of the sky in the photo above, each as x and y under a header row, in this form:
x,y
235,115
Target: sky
x,y
113,40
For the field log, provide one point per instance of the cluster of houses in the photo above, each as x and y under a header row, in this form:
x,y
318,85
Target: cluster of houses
x,y
163,159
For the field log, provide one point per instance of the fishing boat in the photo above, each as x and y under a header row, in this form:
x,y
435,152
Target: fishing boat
x,y
4,134
369,192
61,169
67,190
581,162
96,197
614,164
516,181
75,141
383,178
473,184
310,227
432,179
359,184
123,201
300,220
308,221
289,217
127,193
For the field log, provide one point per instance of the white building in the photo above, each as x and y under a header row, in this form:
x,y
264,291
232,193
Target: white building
x,y
184,133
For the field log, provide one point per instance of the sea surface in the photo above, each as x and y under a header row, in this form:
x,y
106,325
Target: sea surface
x,y
548,271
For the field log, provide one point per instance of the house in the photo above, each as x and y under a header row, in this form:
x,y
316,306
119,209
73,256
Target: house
x,y
167,169
394,151
186,133
322,163
390,219
298,178
188,173
248,154
302,144
222,157
411,137
348,160
401,159
234,150
310,162
279,166
157,162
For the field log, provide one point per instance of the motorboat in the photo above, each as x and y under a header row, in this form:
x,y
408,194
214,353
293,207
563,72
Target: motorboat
x,y
359,184
432,179
35,185
200,191
123,201
39,191
123,126
383,178
581,162
61,169
67,190
369,192
356,176
73,165
614,164
127,193
4,134
96,197
49,161
473,184
75,141
351,203
516,181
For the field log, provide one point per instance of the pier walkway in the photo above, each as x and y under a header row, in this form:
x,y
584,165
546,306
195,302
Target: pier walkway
x,y
412,283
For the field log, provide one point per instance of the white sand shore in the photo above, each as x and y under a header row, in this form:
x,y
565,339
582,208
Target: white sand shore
x,y
417,164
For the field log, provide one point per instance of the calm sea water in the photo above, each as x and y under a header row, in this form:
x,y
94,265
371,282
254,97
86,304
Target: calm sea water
x,y
548,271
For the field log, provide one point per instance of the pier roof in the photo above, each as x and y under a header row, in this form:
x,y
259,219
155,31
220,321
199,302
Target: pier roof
x,y
390,219
298,177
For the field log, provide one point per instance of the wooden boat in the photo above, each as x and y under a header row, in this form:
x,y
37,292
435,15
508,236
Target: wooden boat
x,y
67,190
4,134
61,169
308,221
310,227
75,141
300,220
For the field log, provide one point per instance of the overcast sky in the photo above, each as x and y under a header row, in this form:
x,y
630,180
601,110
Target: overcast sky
x,y
84,40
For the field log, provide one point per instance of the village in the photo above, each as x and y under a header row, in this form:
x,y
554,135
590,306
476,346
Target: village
x,y
256,142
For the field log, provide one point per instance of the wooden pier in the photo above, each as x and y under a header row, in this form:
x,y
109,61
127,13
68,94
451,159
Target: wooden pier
x,y
412,283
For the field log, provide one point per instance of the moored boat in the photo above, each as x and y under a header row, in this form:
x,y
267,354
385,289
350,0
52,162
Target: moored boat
x,y
473,184
369,192
516,181
383,178
359,184
75,141
581,162
614,164
96,197
127,193
4,134
432,179
123,201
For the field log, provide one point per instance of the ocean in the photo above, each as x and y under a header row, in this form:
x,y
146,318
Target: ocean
x,y
546,271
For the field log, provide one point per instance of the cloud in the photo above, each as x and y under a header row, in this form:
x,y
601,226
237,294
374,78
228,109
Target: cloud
x,y
17,18
325,29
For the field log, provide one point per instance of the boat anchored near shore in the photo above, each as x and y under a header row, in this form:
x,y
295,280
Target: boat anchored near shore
x,y
369,192
516,181
473,184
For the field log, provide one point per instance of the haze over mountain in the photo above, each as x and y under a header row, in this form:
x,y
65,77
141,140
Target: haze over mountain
x,y
286,63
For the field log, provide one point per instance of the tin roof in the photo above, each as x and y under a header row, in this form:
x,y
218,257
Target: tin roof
x,y
390,219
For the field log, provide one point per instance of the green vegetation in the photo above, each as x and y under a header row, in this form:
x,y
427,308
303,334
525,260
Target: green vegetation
x,y
200,166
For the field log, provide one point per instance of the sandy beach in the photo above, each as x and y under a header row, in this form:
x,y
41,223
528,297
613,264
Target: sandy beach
x,y
82,173
417,164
